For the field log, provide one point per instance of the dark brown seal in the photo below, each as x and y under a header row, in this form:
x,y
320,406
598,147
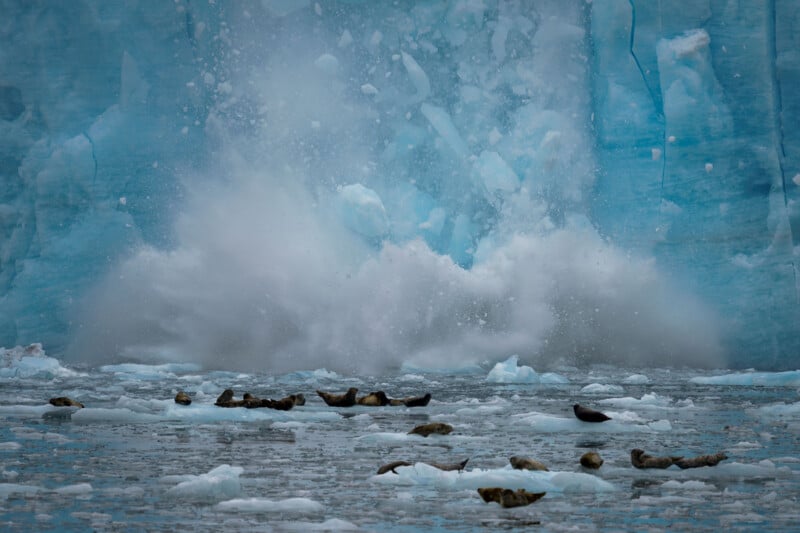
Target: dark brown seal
x,y
433,427
225,399
63,401
412,401
347,399
589,415
509,498
639,459
374,399
183,398
390,467
591,460
286,403
525,463
701,460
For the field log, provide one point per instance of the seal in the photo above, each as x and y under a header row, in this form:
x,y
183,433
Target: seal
x,y
347,399
433,427
225,399
591,460
286,403
509,498
701,460
639,459
412,401
183,398
390,467
524,463
589,415
374,399
64,401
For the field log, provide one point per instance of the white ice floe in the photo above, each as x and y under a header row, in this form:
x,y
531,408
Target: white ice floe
x,y
766,379
332,524
220,483
648,401
509,371
262,505
553,424
406,438
136,371
421,474
9,446
636,379
778,410
78,488
599,388
7,489
31,362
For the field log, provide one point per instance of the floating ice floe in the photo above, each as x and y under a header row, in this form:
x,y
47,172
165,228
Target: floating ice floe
x,y
553,424
136,371
332,524
7,489
599,388
78,488
220,483
406,438
31,362
262,505
636,379
650,400
766,379
779,410
421,474
509,371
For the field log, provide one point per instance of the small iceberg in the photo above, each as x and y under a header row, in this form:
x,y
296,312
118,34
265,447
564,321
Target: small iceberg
x,y
31,362
220,483
510,372
749,379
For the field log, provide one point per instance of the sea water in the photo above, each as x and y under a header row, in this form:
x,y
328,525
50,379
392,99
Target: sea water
x,y
132,459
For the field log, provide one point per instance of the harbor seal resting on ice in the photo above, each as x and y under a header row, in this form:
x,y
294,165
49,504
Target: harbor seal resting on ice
x,y
509,498
701,460
63,401
589,415
433,427
412,401
347,399
591,460
525,463
183,398
639,459
374,399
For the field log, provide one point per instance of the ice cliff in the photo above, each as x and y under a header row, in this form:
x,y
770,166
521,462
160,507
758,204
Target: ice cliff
x,y
282,182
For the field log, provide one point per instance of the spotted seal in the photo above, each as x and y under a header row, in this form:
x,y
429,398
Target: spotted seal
x,y
347,399
509,498
374,399
64,401
589,415
701,460
412,401
525,463
639,459
439,428
447,467
183,398
591,460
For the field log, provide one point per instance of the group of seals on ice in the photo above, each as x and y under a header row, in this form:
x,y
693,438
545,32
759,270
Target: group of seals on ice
x,y
373,399
639,459
226,399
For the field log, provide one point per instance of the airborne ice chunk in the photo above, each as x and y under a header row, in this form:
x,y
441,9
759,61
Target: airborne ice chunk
x,y
362,211
346,39
495,175
417,76
281,8
443,124
220,483
327,63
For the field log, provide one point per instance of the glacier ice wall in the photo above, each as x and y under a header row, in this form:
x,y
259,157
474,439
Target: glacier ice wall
x,y
283,183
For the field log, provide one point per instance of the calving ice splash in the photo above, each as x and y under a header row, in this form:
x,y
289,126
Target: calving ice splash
x,y
358,185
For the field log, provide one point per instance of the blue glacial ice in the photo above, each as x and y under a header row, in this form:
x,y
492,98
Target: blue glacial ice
x,y
294,184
